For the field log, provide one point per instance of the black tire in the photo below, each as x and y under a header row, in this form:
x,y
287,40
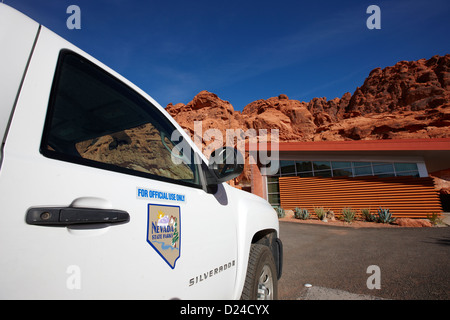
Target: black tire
x,y
261,281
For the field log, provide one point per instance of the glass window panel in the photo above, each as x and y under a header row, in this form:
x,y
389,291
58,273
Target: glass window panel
x,y
408,173
361,164
405,167
321,165
304,166
274,199
363,171
341,164
342,172
287,166
324,173
305,174
383,168
272,188
272,179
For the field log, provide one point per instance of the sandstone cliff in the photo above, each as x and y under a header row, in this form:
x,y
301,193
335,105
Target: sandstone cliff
x,y
408,100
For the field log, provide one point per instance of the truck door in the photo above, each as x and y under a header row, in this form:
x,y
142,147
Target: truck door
x,y
97,201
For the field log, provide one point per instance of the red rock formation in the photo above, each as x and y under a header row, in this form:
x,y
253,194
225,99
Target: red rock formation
x,y
408,85
408,100
415,223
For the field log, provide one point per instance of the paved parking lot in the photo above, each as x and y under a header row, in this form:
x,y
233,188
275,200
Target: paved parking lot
x,y
414,263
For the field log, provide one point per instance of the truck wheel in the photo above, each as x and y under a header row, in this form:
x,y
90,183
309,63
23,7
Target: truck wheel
x,y
261,280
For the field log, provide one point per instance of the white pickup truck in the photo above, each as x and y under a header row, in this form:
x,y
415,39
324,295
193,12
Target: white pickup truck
x,y
97,201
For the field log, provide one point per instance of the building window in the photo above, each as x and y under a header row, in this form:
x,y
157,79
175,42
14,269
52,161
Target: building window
x,y
287,167
329,169
304,166
405,167
362,171
383,168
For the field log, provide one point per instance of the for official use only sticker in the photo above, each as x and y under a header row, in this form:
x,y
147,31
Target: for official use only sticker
x,y
150,194
164,231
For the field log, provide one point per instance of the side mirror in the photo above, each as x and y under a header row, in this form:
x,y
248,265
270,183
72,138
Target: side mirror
x,y
225,163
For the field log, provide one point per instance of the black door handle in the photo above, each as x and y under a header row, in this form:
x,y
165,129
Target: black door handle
x,y
71,216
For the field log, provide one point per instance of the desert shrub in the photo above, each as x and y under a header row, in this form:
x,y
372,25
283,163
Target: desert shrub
x,y
348,214
302,214
320,212
435,219
367,216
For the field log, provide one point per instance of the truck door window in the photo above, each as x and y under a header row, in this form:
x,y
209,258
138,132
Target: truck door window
x,y
96,120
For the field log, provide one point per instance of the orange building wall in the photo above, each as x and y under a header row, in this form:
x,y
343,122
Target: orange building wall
x,y
404,196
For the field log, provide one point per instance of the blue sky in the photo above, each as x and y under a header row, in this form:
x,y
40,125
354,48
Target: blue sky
x,y
248,50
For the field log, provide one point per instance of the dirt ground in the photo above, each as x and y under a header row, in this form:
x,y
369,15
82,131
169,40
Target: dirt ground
x,y
354,224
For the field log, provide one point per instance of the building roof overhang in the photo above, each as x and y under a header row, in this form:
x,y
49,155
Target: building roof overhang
x,y
442,144
434,151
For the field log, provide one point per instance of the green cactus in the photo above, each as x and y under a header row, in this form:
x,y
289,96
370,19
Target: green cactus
x,y
385,216
300,213
280,212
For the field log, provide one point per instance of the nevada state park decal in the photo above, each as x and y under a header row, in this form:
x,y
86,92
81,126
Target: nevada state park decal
x,y
163,231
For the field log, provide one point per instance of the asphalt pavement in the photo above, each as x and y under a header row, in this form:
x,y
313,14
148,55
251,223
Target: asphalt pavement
x,y
341,263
